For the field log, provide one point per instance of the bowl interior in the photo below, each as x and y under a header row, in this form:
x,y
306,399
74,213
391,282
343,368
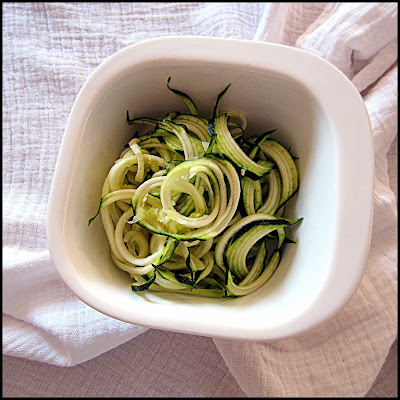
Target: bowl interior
x,y
269,99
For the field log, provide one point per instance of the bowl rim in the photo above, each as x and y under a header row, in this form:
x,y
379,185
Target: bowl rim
x,y
195,48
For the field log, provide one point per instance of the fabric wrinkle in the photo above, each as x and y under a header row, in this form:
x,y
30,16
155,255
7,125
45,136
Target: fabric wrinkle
x,y
49,51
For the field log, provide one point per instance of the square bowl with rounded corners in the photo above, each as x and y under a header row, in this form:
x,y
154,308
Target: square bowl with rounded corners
x,y
316,111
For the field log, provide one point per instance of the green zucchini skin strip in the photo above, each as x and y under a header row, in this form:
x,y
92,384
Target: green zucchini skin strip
x,y
140,287
271,203
167,252
269,270
216,111
287,168
175,278
195,124
244,240
251,196
257,266
227,146
171,115
239,229
171,140
264,136
216,293
111,197
98,212
188,101
141,120
275,223
191,144
189,266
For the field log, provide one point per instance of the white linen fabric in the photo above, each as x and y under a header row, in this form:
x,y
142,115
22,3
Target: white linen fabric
x,y
49,50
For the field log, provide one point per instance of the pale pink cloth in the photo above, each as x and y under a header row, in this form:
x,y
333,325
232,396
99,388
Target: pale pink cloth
x,y
49,50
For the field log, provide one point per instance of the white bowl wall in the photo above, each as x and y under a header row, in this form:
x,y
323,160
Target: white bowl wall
x,y
316,111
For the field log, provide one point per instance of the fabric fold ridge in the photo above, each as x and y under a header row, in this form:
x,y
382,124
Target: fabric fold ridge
x,y
42,318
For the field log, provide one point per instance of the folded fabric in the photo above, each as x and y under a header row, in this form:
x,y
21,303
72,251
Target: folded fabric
x,y
49,51
351,348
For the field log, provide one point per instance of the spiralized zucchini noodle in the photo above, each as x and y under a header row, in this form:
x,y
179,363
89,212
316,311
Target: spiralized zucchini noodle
x,y
193,206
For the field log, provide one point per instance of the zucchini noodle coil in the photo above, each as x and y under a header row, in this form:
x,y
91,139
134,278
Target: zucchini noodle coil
x,y
193,206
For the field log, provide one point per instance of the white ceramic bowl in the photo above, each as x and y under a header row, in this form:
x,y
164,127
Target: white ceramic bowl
x,y
316,111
